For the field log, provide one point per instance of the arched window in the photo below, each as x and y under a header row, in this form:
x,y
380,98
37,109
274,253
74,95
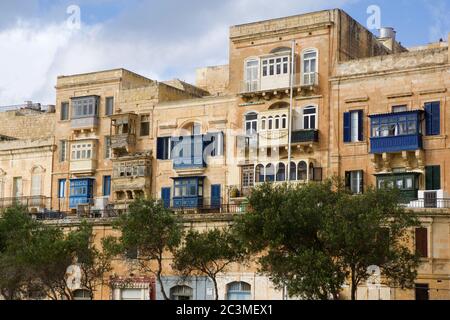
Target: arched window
x,y
270,173
270,123
284,122
251,123
310,67
181,293
302,172
311,171
82,294
259,173
293,173
263,123
277,122
310,118
281,172
239,291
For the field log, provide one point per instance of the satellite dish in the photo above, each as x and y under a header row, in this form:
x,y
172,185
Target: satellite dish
x,y
73,277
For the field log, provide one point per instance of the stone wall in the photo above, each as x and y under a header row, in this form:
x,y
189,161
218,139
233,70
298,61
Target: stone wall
x,y
24,124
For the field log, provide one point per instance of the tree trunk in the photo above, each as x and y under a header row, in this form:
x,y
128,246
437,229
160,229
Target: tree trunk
x,y
354,285
158,275
216,292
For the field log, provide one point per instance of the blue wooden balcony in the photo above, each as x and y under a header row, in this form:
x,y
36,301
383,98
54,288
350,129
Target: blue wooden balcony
x,y
187,202
188,162
396,143
396,132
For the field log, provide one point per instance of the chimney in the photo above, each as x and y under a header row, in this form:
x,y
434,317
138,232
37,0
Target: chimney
x,y
387,38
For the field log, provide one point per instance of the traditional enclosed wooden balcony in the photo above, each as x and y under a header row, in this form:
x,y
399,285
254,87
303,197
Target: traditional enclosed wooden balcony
x,y
85,113
123,133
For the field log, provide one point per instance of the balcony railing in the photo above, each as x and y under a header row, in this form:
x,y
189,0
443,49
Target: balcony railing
x,y
396,143
40,202
279,82
205,206
83,166
123,141
437,203
303,136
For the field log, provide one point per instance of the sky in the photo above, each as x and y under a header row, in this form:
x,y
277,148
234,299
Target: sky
x,y
162,40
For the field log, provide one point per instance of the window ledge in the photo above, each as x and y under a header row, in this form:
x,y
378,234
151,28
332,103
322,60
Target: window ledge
x,y
439,137
358,143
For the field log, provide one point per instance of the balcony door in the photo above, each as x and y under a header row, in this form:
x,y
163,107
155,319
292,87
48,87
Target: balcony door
x,y
251,76
216,196
17,187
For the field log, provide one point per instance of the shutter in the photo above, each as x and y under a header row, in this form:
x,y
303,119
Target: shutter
x,y
429,178
160,148
433,118
360,125
348,180
436,118
436,178
347,127
422,242
361,182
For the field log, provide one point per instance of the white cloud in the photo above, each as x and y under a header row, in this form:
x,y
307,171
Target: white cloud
x,y
145,39
440,12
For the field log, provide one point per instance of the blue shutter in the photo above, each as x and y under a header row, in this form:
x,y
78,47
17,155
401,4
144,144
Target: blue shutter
x,y
165,196
216,196
347,127
433,118
436,119
106,186
360,125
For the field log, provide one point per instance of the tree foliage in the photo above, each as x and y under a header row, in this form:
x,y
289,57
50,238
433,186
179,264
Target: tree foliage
x,y
153,231
314,238
208,253
35,257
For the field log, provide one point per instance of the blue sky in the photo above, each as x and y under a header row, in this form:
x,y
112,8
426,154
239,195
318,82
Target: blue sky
x,y
161,39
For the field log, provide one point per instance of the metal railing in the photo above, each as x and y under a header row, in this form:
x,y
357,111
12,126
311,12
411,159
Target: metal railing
x,y
436,203
303,80
28,202
204,206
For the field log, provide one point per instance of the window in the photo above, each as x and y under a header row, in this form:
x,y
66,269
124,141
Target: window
x,y
82,151
275,66
17,187
252,75
396,109
422,291
433,118
433,178
309,67
263,123
302,171
395,125
109,106
259,173
251,124
188,187
214,144
309,118
61,188
82,295
145,125
421,240
284,122
353,126
84,107
65,111
248,176
270,123
277,122
239,291
270,173
106,186
63,150
163,148
181,293
281,172
108,147
354,181
293,173
132,294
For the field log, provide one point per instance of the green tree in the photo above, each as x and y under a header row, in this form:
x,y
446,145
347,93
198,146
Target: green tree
x,y
372,230
16,235
313,238
152,230
208,253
